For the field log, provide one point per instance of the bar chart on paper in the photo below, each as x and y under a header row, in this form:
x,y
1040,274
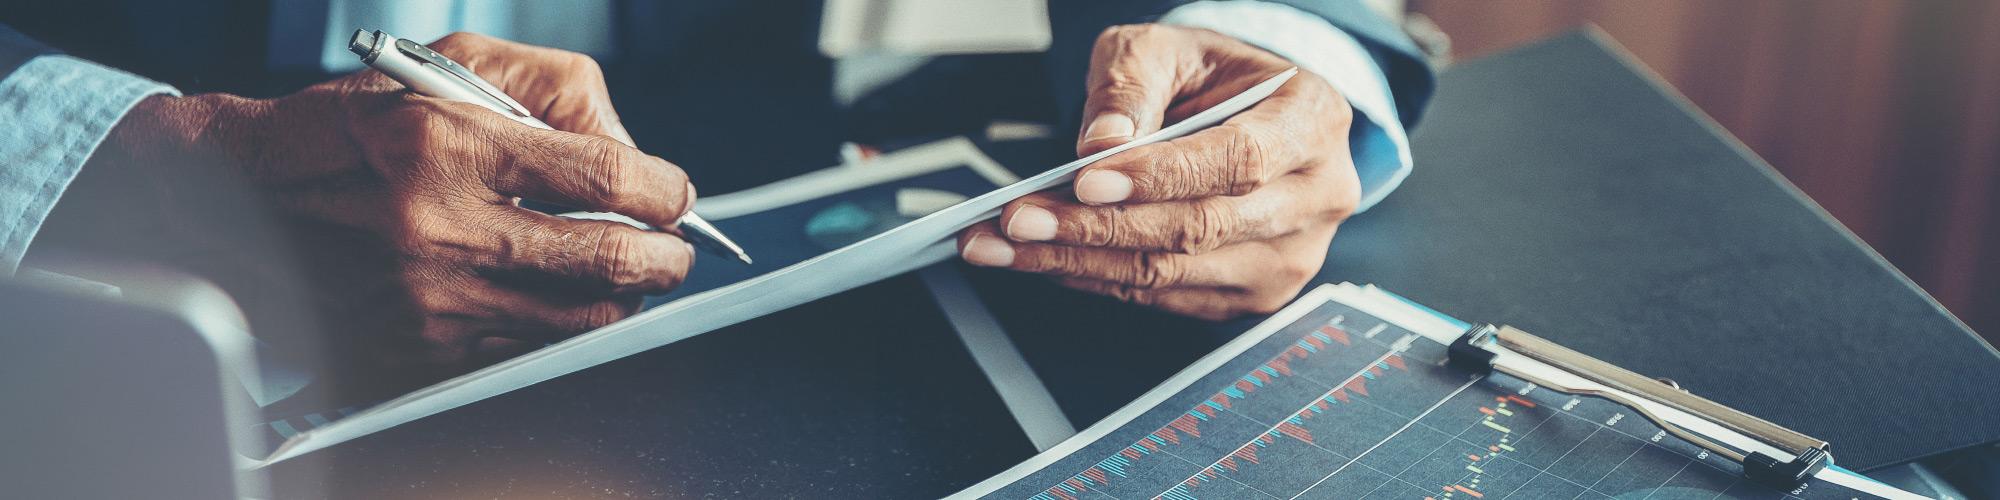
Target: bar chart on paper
x,y
1339,404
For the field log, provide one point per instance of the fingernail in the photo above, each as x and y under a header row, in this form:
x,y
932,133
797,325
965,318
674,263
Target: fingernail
x,y
1032,223
1103,186
988,251
1108,126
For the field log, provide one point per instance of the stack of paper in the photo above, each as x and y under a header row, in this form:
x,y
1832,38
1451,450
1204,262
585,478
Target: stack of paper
x,y
919,243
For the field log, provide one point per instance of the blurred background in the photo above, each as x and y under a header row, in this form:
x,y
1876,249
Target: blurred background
x,y
1886,113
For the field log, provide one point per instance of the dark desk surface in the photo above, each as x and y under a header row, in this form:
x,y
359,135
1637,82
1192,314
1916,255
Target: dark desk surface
x,y
1556,189
1564,190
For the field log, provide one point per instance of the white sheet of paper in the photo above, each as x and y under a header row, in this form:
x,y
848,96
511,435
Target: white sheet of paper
x,y
917,244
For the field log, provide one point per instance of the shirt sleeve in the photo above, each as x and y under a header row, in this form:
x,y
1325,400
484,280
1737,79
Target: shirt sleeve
x,y
57,109
1380,146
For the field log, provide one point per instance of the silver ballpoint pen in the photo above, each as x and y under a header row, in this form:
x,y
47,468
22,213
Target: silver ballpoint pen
x,y
429,73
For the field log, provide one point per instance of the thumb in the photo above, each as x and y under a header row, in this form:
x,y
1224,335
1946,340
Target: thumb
x,y
1130,86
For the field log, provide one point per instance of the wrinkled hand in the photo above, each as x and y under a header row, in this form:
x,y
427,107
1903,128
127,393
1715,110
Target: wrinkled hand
x,y
1227,221
401,209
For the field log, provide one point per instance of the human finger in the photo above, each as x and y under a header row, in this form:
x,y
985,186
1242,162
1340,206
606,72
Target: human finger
x,y
592,173
607,257
1131,83
1183,226
1233,158
544,317
982,245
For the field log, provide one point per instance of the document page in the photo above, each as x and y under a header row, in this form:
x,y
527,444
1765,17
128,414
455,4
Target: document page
x,y
924,241
1345,394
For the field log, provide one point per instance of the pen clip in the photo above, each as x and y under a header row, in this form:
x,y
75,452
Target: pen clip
x,y
450,67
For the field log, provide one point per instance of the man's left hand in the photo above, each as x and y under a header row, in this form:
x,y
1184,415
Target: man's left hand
x,y
1231,220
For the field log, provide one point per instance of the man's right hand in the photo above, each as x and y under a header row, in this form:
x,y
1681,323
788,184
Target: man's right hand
x,y
401,209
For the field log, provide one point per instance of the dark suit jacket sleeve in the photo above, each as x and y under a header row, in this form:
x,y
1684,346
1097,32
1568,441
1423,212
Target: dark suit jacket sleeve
x,y
1075,25
16,49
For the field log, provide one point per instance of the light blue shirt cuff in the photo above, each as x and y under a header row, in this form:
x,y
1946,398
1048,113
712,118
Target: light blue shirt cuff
x,y
57,109
1380,146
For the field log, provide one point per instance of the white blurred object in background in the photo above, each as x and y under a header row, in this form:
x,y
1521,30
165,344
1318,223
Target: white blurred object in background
x,y
931,27
879,41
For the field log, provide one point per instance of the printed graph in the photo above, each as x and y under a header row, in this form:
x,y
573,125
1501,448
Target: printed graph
x,y
1342,405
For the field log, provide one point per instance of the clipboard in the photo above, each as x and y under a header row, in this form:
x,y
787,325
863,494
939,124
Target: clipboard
x,y
1780,457
1352,389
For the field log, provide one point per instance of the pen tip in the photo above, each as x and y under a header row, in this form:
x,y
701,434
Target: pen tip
x,y
744,257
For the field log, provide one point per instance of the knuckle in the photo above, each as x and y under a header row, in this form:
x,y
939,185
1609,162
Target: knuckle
x,y
1122,43
1137,296
606,179
617,259
511,248
420,134
1063,263
1121,91
1204,230
414,228
1178,175
596,316
1116,35
1127,293
1107,37
1099,226
1248,161
1141,31
1118,91
582,64
1151,270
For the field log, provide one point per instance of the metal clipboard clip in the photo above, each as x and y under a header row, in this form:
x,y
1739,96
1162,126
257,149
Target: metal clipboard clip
x,y
1477,349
